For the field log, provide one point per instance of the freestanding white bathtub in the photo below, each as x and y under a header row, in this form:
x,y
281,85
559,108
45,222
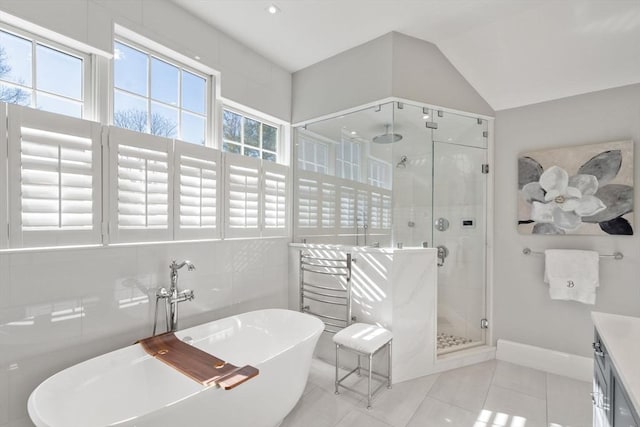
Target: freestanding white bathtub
x,y
127,387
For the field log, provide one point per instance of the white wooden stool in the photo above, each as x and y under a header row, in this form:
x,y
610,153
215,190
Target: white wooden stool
x,y
363,340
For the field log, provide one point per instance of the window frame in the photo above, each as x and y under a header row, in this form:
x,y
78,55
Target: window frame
x,y
378,165
354,167
280,152
4,181
150,52
88,109
303,160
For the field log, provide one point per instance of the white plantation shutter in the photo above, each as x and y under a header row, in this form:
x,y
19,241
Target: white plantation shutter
x,y
375,222
141,185
274,199
308,194
329,210
362,208
54,178
347,207
197,191
4,178
386,211
242,196
380,210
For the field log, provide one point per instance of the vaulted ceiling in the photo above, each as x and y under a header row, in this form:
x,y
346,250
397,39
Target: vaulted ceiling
x,y
514,52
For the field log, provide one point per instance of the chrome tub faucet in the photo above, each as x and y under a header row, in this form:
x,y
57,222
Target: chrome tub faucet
x,y
172,296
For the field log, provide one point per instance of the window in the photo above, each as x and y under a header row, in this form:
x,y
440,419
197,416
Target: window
x,y
141,187
313,155
348,159
153,95
379,173
308,195
33,73
249,137
256,197
347,207
197,191
55,179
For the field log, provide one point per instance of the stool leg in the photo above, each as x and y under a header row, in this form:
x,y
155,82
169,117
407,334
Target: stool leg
x,y
389,367
337,364
358,365
370,371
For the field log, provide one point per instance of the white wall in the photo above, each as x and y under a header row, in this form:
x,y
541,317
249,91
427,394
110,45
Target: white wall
x,y
523,311
391,65
422,73
111,292
349,79
247,77
60,307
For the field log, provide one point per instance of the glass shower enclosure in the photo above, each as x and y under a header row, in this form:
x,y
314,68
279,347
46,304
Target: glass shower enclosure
x,y
397,174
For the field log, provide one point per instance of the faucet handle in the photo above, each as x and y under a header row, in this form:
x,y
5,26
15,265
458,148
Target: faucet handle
x,y
163,293
188,294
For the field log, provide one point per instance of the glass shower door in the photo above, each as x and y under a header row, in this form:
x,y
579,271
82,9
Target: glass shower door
x,y
459,212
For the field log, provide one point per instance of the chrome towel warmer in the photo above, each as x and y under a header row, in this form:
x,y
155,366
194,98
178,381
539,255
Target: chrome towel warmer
x,y
326,295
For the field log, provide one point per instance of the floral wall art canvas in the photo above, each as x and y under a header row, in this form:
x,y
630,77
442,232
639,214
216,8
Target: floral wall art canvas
x,y
586,189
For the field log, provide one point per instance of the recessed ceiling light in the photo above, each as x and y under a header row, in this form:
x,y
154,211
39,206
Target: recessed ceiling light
x,y
353,132
197,58
425,117
273,9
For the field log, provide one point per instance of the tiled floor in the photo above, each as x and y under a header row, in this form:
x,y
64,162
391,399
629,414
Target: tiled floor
x,y
490,394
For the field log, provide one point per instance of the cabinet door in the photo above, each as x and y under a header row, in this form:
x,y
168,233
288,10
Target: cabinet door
x,y
600,399
623,413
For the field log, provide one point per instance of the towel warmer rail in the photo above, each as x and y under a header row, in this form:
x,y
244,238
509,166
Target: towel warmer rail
x,y
325,294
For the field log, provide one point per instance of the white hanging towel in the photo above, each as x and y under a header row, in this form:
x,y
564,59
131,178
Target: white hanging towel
x,y
572,274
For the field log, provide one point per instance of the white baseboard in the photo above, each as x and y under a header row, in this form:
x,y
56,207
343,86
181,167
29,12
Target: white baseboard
x,y
554,362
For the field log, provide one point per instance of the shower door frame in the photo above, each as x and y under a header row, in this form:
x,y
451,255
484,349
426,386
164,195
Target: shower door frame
x,y
489,337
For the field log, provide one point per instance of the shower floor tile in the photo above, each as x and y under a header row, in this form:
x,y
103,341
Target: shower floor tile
x,y
418,403
448,343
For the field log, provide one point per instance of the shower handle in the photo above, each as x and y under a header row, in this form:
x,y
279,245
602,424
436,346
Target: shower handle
x,y
443,252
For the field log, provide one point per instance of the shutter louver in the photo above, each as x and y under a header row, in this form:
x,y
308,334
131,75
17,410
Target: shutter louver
x,y
58,202
197,192
347,207
376,211
362,212
328,205
274,178
386,212
141,184
308,196
242,196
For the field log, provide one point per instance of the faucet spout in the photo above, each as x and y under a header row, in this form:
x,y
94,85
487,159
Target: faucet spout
x,y
173,296
175,266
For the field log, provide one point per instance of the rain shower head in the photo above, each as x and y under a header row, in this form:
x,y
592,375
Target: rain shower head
x,y
386,137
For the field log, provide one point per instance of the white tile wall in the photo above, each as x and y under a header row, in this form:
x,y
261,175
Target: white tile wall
x,y
60,307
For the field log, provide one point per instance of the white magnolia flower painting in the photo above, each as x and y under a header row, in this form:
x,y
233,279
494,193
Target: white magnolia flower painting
x,y
585,189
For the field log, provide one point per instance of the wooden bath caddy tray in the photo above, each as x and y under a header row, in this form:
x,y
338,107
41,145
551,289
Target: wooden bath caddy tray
x,y
195,363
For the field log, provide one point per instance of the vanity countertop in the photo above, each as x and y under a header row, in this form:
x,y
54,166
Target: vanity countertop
x,y
621,337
